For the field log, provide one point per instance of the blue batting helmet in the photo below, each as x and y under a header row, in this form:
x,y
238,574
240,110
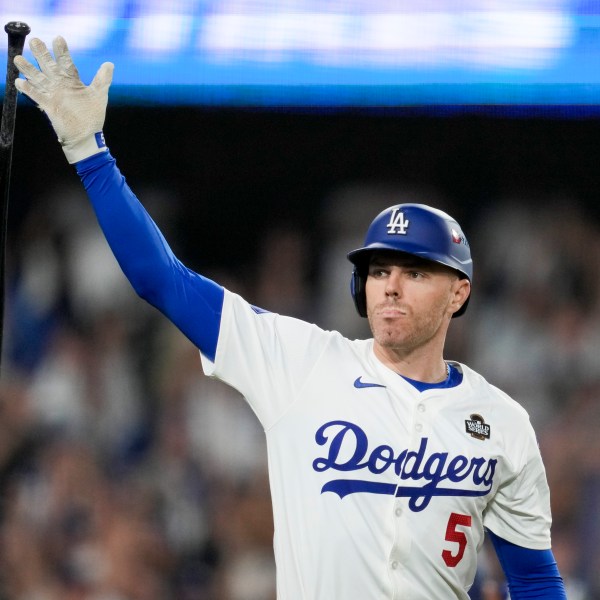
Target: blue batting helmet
x,y
414,229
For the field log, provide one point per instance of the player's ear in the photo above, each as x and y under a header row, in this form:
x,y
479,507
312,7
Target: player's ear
x,y
461,291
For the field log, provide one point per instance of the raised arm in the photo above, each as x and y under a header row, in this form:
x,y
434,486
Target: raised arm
x,y
77,112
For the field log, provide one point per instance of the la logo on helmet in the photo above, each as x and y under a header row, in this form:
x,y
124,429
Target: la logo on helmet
x,y
397,223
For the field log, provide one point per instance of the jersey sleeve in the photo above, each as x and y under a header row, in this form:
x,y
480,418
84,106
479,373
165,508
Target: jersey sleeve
x,y
267,357
520,510
192,302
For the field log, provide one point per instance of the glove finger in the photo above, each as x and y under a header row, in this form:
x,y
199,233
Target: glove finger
x,y
103,77
34,75
63,57
43,57
26,88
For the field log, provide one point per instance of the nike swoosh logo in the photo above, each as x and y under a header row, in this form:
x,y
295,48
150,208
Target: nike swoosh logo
x,y
364,384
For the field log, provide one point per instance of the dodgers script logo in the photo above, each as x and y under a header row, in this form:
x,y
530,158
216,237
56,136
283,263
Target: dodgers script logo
x,y
425,471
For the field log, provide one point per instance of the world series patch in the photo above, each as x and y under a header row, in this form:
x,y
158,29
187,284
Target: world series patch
x,y
477,428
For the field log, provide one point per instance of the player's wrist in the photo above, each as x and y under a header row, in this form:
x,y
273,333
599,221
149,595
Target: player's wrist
x,y
85,147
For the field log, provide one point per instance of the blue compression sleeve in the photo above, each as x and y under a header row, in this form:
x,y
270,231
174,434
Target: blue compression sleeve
x,y
192,302
529,573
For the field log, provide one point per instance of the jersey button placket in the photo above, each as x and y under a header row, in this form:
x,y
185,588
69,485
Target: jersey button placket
x,y
420,418
400,550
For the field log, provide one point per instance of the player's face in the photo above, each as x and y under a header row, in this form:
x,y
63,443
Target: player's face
x,y
410,301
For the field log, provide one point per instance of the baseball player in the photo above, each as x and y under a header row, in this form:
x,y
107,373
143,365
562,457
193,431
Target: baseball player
x,y
388,464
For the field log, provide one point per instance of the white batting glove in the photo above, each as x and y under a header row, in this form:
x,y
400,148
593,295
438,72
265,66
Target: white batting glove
x,y
75,110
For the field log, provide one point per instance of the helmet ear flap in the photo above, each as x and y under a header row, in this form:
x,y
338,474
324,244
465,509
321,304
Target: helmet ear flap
x,y
357,289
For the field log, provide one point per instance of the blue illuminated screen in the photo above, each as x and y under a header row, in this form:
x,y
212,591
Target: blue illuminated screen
x,y
328,53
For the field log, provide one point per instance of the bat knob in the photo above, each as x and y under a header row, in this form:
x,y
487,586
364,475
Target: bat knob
x,y
17,28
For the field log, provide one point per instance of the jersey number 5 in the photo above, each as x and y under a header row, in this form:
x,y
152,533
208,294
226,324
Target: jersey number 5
x,y
452,535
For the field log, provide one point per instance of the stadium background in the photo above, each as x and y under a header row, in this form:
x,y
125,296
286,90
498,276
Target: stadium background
x,y
127,475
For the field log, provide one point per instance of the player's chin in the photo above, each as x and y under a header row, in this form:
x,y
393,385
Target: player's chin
x,y
388,334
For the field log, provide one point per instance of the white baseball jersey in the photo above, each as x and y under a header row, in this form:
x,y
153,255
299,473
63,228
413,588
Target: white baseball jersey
x,y
379,491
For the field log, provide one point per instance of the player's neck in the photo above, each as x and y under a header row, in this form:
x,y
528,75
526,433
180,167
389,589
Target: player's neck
x,y
424,364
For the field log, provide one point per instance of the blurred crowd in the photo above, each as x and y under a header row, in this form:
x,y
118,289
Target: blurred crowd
x,y
126,474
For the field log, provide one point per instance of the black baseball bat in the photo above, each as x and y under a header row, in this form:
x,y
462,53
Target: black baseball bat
x,y
17,32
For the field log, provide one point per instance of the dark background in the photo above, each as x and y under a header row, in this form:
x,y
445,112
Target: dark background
x,y
237,171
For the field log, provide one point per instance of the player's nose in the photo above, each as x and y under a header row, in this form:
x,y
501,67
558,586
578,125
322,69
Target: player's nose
x,y
393,283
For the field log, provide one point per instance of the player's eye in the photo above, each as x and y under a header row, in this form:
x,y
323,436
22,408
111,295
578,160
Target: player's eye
x,y
377,272
416,274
